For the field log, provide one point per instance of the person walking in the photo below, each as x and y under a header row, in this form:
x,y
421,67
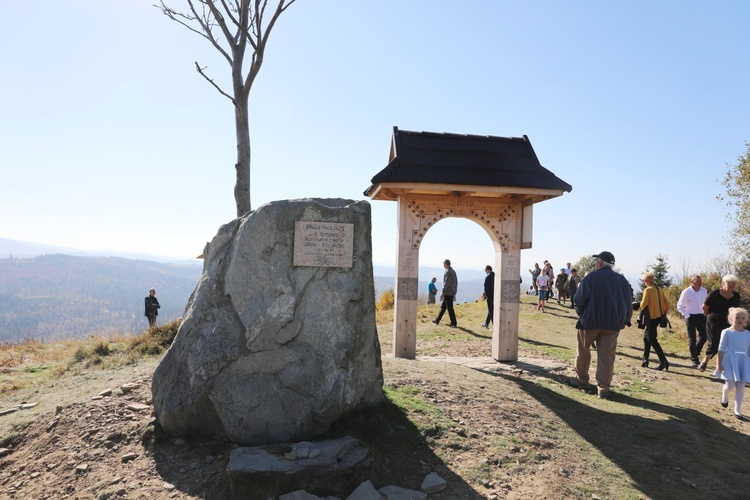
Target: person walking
x,y
152,307
654,304
690,305
489,294
604,303
431,291
448,294
733,365
716,308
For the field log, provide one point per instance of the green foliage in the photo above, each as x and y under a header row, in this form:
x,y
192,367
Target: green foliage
x,y
737,183
584,265
386,301
660,268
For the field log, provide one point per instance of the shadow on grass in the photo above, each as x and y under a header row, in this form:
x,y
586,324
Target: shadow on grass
x,y
682,453
543,344
401,457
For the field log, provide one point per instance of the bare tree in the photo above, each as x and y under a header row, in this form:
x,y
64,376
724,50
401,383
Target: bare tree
x,y
230,25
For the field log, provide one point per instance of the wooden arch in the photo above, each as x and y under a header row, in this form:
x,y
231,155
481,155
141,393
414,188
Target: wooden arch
x,y
427,191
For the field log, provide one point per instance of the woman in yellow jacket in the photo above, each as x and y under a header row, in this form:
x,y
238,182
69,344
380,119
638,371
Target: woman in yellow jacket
x,y
653,297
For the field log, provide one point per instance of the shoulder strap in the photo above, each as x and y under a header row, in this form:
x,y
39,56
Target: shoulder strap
x,y
658,296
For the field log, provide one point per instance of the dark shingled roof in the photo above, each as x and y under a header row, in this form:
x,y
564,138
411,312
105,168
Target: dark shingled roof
x,y
439,158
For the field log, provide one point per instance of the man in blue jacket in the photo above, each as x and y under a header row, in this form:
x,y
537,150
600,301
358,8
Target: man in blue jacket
x,y
604,302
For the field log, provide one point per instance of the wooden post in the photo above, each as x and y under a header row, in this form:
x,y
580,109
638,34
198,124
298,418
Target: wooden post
x,y
507,292
406,286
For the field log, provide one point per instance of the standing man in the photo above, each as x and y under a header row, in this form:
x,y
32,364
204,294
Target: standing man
x,y
448,294
568,269
690,305
573,286
431,291
604,302
489,294
534,275
152,307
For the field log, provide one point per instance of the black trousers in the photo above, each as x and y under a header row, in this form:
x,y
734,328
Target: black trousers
x,y
447,304
696,324
490,306
651,342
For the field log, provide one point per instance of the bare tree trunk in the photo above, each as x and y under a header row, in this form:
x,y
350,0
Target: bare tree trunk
x,y
242,185
238,23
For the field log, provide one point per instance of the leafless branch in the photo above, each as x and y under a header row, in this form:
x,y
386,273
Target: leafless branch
x,y
200,70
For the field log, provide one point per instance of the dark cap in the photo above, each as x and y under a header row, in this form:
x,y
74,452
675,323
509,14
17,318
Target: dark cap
x,y
606,257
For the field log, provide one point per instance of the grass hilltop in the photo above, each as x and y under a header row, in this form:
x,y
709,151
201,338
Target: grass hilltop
x,y
80,428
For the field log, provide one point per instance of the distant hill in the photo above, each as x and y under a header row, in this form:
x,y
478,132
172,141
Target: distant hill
x,y
60,296
470,283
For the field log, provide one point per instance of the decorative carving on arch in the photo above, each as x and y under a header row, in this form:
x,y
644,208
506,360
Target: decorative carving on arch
x,y
424,211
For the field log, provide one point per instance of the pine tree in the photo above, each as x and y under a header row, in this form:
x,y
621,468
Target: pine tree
x,y
661,273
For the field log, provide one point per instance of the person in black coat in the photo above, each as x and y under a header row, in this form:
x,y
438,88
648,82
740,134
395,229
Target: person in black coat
x,y
489,294
152,307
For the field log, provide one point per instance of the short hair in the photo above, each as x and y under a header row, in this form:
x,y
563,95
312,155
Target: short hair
x,y
730,278
734,311
447,262
649,277
488,268
574,270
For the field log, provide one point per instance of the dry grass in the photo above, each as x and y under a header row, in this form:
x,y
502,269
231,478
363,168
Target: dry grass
x,y
30,363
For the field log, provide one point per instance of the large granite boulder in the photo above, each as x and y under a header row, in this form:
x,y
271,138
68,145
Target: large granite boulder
x,y
269,351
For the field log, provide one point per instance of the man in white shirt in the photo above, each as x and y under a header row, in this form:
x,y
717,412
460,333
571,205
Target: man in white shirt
x,y
690,305
568,270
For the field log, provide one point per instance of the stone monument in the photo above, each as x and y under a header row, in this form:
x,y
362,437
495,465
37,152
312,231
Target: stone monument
x,y
279,338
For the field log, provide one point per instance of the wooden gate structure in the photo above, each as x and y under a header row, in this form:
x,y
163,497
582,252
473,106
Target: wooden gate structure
x,y
493,181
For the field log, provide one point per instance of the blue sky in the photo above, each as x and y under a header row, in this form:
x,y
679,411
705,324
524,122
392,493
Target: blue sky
x,y
110,140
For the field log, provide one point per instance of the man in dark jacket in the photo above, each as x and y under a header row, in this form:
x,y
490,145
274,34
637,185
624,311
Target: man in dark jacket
x,y
489,294
604,303
152,307
448,294
572,286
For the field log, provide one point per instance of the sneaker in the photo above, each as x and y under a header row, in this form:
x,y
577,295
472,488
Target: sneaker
x,y
485,325
453,325
603,394
435,321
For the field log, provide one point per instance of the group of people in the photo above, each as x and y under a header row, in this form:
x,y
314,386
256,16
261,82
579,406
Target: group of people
x,y
544,282
604,303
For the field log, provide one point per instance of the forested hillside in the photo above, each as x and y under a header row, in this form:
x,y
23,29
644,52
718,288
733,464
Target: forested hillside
x,y
60,296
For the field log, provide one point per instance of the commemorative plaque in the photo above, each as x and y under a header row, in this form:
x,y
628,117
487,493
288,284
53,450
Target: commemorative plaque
x,y
323,244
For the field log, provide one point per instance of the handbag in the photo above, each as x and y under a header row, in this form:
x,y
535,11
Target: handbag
x,y
663,320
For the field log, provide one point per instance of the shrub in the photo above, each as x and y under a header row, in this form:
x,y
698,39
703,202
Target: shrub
x,y
386,301
101,348
154,340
